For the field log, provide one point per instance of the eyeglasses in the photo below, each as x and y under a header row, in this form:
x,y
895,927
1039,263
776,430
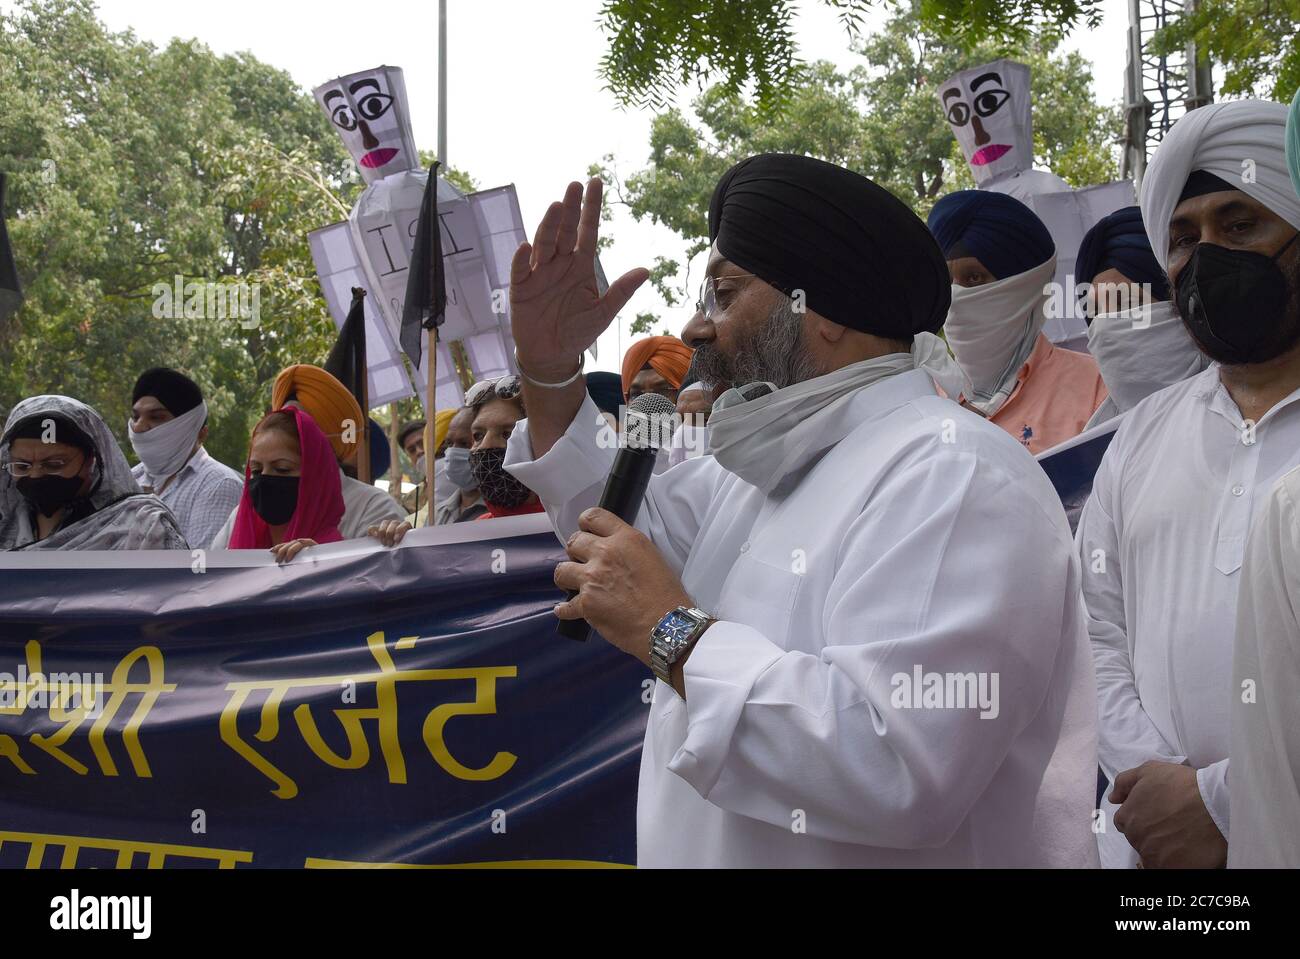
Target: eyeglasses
x,y
20,469
505,387
708,299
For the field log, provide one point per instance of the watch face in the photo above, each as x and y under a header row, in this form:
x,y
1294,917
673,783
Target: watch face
x,y
679,627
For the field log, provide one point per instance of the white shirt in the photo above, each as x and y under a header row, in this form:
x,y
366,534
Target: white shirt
x,y
924,537
1265,753
200,497
364,505
1171,505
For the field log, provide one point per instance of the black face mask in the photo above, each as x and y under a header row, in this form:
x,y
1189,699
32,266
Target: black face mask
x,y
1234,303
274,498
496,485
49,494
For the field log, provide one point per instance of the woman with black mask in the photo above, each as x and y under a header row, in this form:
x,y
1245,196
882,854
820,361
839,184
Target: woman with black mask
x,y
293,496
66,484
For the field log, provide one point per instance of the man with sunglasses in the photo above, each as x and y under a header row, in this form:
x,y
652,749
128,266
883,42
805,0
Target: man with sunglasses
x,y
833,599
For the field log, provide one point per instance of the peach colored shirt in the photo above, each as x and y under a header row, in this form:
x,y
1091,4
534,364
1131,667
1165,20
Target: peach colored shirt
x,y
1057,391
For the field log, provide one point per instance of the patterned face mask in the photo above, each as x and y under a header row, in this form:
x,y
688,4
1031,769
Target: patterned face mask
x,y
497,486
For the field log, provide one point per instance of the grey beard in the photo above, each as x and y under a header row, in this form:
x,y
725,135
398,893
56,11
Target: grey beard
x,y
774,353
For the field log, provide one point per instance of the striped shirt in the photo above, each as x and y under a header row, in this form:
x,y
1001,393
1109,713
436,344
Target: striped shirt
x,y
201,496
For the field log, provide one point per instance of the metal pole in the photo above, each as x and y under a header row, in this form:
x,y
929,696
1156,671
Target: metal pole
x,y
442,81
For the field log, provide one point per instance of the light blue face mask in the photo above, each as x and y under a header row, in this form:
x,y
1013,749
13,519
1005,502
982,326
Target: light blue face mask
x,y
458,471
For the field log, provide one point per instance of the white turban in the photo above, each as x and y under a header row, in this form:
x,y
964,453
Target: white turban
x,y
1240,141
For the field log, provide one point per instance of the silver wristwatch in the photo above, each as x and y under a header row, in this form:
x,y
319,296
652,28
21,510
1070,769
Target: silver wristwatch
x,y
673,637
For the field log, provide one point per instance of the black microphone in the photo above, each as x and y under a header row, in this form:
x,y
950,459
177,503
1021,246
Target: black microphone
x,y
650,423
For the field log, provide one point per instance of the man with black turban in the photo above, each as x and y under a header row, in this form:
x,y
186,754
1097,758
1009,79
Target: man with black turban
x,y
854,541
1001,260
167,429
1134,334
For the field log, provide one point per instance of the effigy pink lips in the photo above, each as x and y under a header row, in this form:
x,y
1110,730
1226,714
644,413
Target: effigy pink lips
x,y
985,154
377,158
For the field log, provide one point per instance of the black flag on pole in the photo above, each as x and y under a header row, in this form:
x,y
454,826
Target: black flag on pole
x,y
11,293
426,286
347,359
347,364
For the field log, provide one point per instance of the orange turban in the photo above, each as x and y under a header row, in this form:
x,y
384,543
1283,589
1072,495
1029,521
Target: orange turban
x,y
667,355
326,400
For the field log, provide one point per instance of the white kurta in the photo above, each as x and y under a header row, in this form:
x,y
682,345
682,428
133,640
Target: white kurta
x,y
1170,509
918,536
1265,751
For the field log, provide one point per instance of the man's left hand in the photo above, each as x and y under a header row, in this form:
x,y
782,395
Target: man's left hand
x,y
1163,817
624,585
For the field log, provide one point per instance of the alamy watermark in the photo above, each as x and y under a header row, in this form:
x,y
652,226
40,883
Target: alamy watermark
x,y
66,691
1071,300
921,690
228,300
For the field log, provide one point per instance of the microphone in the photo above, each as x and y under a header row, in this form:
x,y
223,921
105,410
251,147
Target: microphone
x,y
650,423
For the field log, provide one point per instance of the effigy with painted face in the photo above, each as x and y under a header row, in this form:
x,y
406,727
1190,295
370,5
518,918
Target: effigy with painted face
x,y
990,110
372,248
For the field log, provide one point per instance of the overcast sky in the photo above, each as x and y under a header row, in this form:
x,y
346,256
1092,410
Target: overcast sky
x,y
526,106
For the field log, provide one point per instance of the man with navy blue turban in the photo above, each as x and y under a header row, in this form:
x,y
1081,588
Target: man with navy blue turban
x,y
1134,332
1001,260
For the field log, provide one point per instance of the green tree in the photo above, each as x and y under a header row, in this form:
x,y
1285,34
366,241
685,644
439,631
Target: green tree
x,y
655,45
130,165
881,119
1257,42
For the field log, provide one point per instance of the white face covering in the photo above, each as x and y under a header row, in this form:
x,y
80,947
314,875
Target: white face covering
x,y
763,439
458,468
992,330
165,449
1141,351
687,443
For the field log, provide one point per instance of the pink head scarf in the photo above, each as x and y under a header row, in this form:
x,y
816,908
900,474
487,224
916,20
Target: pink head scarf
x,y
320,493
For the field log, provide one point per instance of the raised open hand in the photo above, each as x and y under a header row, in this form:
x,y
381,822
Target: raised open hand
x,y
556,311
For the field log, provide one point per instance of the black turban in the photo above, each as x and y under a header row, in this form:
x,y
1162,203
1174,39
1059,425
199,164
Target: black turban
x,y
175,391
1119,241
861,257
606,391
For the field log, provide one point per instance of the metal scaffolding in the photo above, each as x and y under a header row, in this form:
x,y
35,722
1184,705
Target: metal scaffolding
x,y
1158,89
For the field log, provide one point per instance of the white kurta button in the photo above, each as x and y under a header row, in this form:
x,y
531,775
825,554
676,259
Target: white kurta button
x,y
1238,490
744,547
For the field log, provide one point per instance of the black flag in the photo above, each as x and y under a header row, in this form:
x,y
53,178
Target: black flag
x,y
347,364
347,360
426,286
11,293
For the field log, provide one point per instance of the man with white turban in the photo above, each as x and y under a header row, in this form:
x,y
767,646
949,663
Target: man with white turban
x,y
816,596
1163,535
1265,755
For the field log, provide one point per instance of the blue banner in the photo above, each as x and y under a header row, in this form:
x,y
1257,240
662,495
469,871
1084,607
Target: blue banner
x,y
358,706
1072,465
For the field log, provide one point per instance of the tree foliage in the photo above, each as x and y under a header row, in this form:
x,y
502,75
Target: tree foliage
x,y
749,45
881,118
1256,42
130,165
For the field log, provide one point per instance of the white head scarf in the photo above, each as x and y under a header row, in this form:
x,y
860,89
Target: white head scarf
x,y
764,439
116,514
992,330
1239,141
1141,351
167,447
